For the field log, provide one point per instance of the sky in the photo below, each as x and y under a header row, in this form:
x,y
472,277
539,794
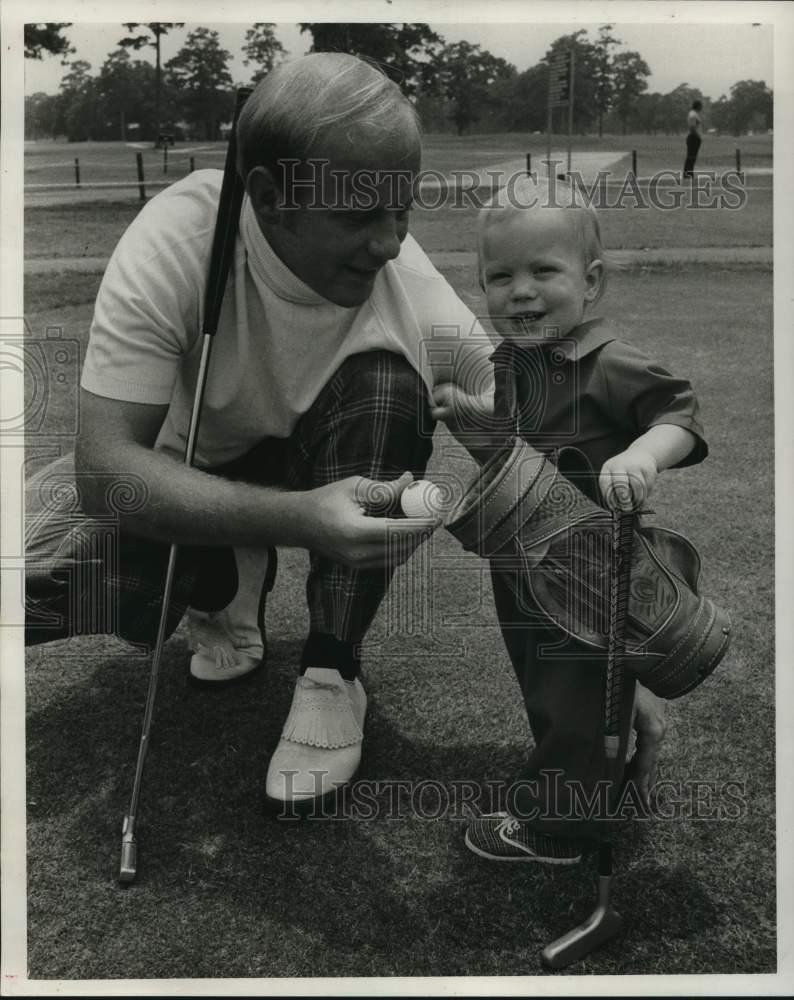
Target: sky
x,y
708,56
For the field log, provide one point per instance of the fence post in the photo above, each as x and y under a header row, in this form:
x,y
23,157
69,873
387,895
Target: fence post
x,y
192,164
165,157
141,188
76,172
738,160
529,164
634,162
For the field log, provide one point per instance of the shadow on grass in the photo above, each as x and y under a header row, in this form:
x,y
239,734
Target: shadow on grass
x,y
226,889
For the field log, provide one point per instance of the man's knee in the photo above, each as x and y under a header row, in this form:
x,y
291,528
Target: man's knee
x,y
378,375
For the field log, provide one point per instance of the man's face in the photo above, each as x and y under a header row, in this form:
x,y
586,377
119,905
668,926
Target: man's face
x,y
352,213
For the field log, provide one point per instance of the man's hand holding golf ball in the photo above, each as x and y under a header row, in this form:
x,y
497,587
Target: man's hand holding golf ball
x,y
376,513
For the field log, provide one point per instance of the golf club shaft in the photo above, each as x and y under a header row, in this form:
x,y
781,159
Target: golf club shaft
x,y
620,580
222,254
190,451
604,922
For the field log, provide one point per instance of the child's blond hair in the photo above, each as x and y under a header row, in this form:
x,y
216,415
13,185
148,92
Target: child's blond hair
x,y
523,194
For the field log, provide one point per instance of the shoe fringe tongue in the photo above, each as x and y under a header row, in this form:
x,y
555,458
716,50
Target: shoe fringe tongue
x,y
321,716
220,648
223,656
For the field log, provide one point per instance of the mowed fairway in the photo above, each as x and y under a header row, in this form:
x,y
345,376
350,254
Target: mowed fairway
x,y
227,890
53,162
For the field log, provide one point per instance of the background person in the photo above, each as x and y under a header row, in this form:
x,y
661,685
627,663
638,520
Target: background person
x,y
694,137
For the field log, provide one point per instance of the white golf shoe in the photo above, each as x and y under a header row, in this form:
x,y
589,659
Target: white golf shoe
x,y
230,644
320,746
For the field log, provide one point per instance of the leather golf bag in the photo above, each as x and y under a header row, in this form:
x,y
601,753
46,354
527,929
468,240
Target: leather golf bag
x,y
554,544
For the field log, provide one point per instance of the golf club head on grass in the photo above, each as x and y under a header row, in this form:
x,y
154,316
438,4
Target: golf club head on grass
x,y
128,868
602,924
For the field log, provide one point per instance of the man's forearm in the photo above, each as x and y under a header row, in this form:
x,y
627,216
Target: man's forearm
x,y
191,507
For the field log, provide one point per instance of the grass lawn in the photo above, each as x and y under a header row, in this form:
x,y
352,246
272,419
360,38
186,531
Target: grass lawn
x,y
53,162
226,890
93,229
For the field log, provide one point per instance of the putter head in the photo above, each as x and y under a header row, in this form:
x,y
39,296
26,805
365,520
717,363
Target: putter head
x,y
603,924
128,867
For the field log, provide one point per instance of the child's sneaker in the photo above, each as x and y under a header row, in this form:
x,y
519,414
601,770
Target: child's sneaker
x,y
501,837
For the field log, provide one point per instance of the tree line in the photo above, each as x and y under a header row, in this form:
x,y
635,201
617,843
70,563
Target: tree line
x,y
456,86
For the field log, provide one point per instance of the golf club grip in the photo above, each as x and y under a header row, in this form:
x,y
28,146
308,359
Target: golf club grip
x,y
223,242
620,581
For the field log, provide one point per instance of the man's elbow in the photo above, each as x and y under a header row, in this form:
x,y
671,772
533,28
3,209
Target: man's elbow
x,y
106,483
92,475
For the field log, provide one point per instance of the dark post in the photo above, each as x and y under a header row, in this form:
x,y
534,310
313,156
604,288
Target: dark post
x,y
738,160
529,164
192,164
634,162
76,172
549,123
141,188
572,57
165,157
157,29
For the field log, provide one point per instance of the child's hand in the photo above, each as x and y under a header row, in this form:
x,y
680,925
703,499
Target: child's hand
x,y
468,417
626,480
459,409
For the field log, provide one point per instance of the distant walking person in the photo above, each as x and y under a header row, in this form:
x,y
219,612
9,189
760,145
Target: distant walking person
x,y
693,138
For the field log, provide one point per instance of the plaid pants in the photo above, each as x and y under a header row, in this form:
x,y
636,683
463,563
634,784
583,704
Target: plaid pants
x,y
84,576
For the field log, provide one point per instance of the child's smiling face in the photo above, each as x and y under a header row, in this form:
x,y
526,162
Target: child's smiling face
x,y
534,274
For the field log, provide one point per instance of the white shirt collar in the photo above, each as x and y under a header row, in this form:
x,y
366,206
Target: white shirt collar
x,y
268,266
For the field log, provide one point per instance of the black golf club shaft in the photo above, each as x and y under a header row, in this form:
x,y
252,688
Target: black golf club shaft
x,y
605,922
222,254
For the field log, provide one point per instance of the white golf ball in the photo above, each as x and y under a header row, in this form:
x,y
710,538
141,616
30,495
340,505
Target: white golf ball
x,y
422,499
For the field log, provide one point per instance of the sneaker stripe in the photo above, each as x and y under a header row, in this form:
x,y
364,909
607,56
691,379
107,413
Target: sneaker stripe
x,y
503,838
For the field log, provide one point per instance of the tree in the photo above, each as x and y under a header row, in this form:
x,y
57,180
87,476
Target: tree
x,y
466,75
125,93
41,111
720,116
77,103
750,106
526,111
433,111
603,73
644,115
156,29
200,72
47,38
674,107
630,73
406,52
263,49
